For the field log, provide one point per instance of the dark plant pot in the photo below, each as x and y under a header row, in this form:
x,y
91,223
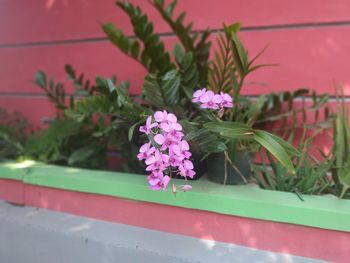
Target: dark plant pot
x,y
216,168
199,167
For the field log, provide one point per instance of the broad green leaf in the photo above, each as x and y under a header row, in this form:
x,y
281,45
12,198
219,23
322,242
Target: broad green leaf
x,y
152,91
230,129
171,86
278,150
178,52
215,147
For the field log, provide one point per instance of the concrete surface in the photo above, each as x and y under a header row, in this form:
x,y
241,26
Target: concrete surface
x,y
34,235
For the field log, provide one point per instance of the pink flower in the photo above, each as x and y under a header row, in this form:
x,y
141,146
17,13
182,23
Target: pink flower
x,y
182,150
210,100
163,116
198,94
168,142
170,126
158,181
186,169
159,138
226,100
145,151
148,127
170,153
185,187
157,162
174,161
175,135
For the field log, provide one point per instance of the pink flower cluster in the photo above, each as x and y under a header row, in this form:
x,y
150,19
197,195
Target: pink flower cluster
x,y
166,152
209,100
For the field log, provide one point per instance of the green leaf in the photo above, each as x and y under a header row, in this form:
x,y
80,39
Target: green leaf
x,y
215,147
178,52
233,28
171,85
132,130
230,129
117,37
40,79
204,141
291,150
55,92
240,56
199,48
152,91
153,55
81,155
278,150
222,69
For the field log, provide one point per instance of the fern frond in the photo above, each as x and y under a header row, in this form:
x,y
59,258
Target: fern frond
x,y
222,69
82,85
281,106
111,100
54,91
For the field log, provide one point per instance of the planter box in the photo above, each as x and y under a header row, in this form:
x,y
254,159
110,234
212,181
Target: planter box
x,y
318,227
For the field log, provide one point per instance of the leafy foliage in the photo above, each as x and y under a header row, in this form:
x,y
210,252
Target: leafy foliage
x,y
280,149
82,85
164,91
102,115
310,175
153,55
67,142
341,150
113,106
283,106
187,68
198,47
222,69
14,130
54,91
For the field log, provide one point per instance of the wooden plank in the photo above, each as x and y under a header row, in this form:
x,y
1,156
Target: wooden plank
x,y
37,110
20,65
54,20
307,57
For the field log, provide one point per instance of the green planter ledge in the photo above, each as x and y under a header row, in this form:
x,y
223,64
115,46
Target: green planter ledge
x,y
327,212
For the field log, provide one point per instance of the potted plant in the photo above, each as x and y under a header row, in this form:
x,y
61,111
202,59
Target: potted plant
x,y
172,81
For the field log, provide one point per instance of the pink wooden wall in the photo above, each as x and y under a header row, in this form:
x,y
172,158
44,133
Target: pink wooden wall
x,y
309,39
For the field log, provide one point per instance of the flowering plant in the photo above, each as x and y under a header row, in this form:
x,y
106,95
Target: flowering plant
x,y
167,152
215,117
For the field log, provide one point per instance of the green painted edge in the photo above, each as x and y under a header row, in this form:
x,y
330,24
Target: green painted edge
x,y
326,212
15,170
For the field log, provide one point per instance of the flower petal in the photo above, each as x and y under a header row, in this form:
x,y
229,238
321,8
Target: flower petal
x,y
159,139
159,116
185,187
171,118
151,159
